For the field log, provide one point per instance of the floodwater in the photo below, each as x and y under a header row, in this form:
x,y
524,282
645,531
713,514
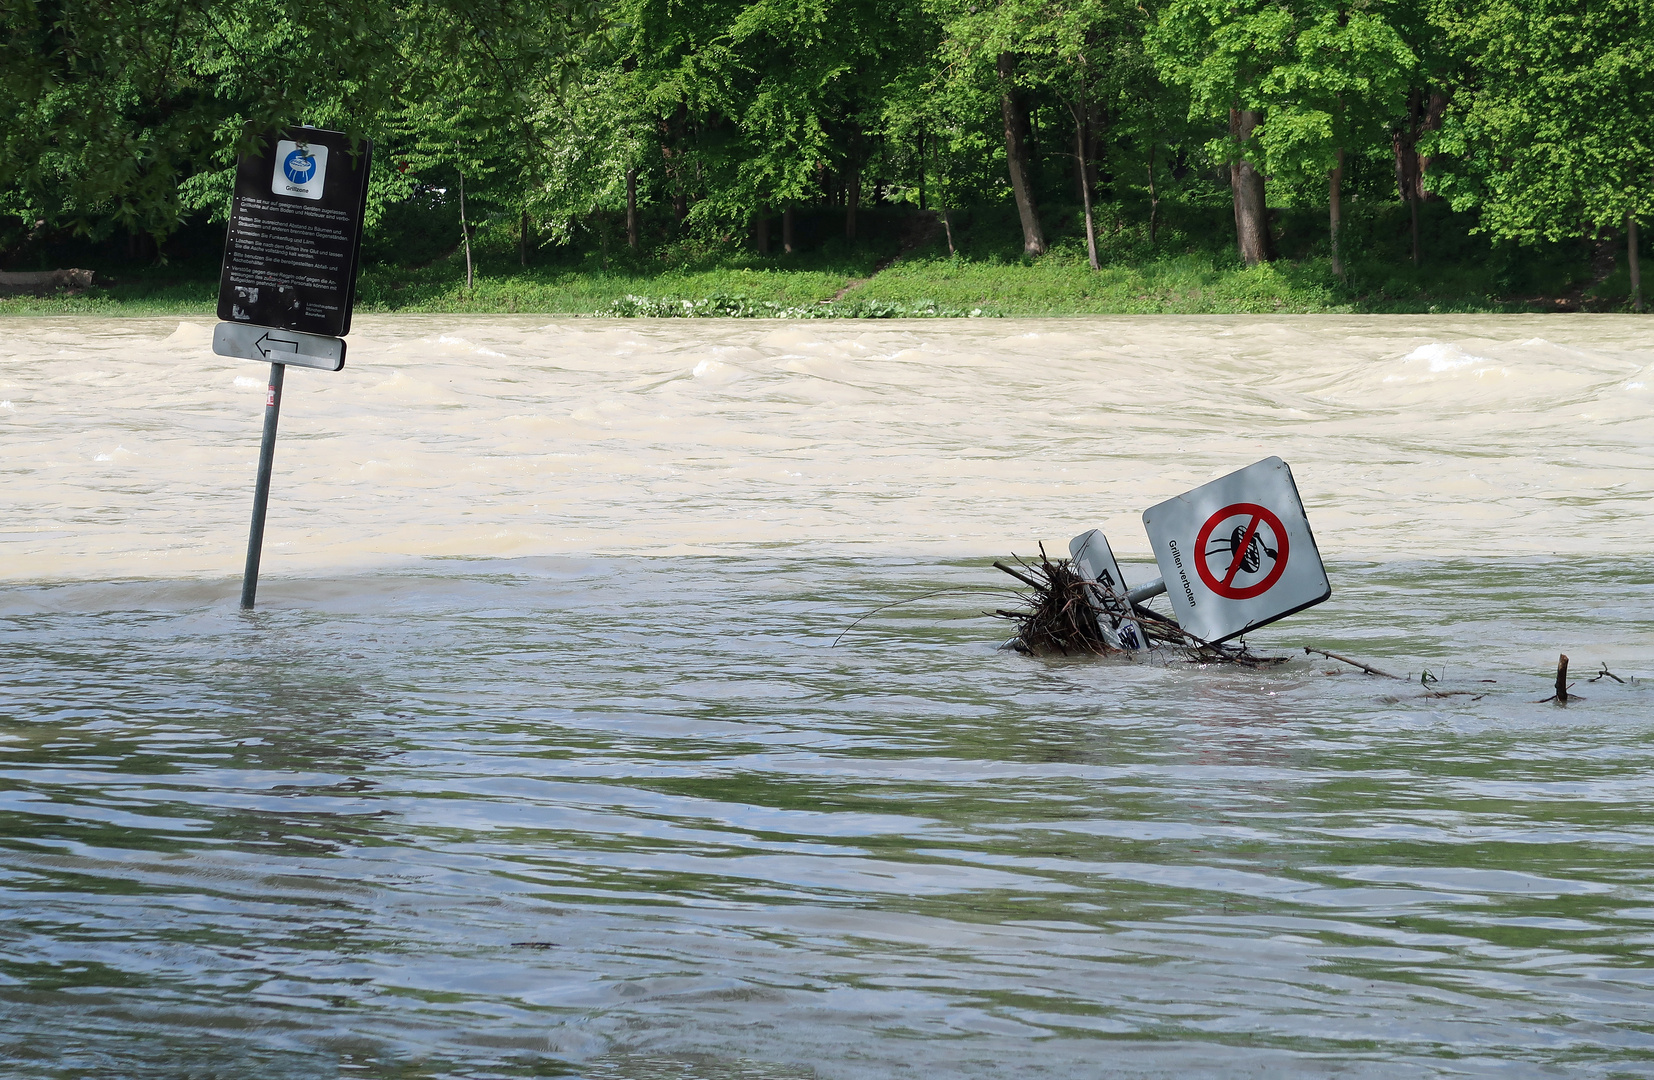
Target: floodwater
x,y
555,747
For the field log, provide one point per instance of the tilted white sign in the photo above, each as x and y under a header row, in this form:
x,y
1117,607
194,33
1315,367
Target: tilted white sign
x,y
1237,553
1094,559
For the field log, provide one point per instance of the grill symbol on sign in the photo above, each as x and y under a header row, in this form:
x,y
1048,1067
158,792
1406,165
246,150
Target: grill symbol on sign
x,y
1242,551
299,166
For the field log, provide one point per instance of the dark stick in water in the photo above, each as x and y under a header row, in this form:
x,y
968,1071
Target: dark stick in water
x,y
1368,668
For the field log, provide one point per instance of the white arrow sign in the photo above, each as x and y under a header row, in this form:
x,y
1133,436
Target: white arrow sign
x,y
278,346
1237,553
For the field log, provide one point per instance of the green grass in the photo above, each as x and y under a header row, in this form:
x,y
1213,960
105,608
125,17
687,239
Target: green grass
x,y
124,300
1061,283
1058,285
1190,269
441,288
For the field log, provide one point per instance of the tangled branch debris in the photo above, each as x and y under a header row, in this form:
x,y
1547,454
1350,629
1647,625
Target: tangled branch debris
x,y
1059,620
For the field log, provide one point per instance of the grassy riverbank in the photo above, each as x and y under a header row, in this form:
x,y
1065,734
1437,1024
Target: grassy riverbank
x,y
906,269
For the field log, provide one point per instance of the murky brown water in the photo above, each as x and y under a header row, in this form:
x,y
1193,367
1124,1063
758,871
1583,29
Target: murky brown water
x,y
537,758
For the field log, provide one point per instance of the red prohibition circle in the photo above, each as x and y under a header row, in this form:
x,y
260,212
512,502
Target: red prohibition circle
x,y
1225,588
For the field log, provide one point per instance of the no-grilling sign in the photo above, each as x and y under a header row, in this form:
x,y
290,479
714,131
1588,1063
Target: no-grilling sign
x,y
1237,553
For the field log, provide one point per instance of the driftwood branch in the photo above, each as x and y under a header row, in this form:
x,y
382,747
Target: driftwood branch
x,y
1368,668
1562,697
1606,673
1020,576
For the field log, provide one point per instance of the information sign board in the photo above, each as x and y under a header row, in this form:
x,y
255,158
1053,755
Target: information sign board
x,y
1237,553
295,230
1094,560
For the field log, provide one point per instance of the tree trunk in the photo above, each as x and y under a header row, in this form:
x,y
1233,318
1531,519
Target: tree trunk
x,y
1246,183
1424,114
631,209
1154,199
1015,113
922,206
1096,121
674,177
1435,109
1085,187
1335,210
464,230
1633,263
1413,215
1404,145
948,225
852,201
522,241
761,232
787,231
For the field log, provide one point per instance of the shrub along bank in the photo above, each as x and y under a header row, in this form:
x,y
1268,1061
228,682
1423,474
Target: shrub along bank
x,y
905,269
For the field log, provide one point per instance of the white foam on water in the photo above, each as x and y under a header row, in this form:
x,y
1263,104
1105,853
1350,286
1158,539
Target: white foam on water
x,y
191,335
1439,358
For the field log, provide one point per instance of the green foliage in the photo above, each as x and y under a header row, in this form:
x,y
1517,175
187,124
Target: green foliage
x,y
756,99
1552,134
1325,75
1345,74
120,121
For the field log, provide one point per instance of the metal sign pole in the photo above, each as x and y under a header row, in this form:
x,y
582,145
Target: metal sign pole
x,y
261,491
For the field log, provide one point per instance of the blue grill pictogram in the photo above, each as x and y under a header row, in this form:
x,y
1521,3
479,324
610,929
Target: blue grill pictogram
x,y
299,167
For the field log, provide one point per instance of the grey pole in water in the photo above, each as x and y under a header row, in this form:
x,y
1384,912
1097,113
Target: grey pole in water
x,y
1146,591
261,491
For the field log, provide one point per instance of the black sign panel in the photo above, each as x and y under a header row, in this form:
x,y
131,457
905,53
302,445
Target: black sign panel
x,y
295,231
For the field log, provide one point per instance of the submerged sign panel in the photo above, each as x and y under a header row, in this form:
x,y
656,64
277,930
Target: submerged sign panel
x,y
1094,559
1237,553
290,253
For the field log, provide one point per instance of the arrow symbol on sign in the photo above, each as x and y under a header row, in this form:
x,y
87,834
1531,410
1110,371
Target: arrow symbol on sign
x,y
292,346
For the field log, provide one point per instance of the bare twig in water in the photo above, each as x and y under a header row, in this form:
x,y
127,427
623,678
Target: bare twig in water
x,y
1368,668
922,596
1606,672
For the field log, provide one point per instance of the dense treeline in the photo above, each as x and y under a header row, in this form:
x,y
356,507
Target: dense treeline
x,y
625,121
